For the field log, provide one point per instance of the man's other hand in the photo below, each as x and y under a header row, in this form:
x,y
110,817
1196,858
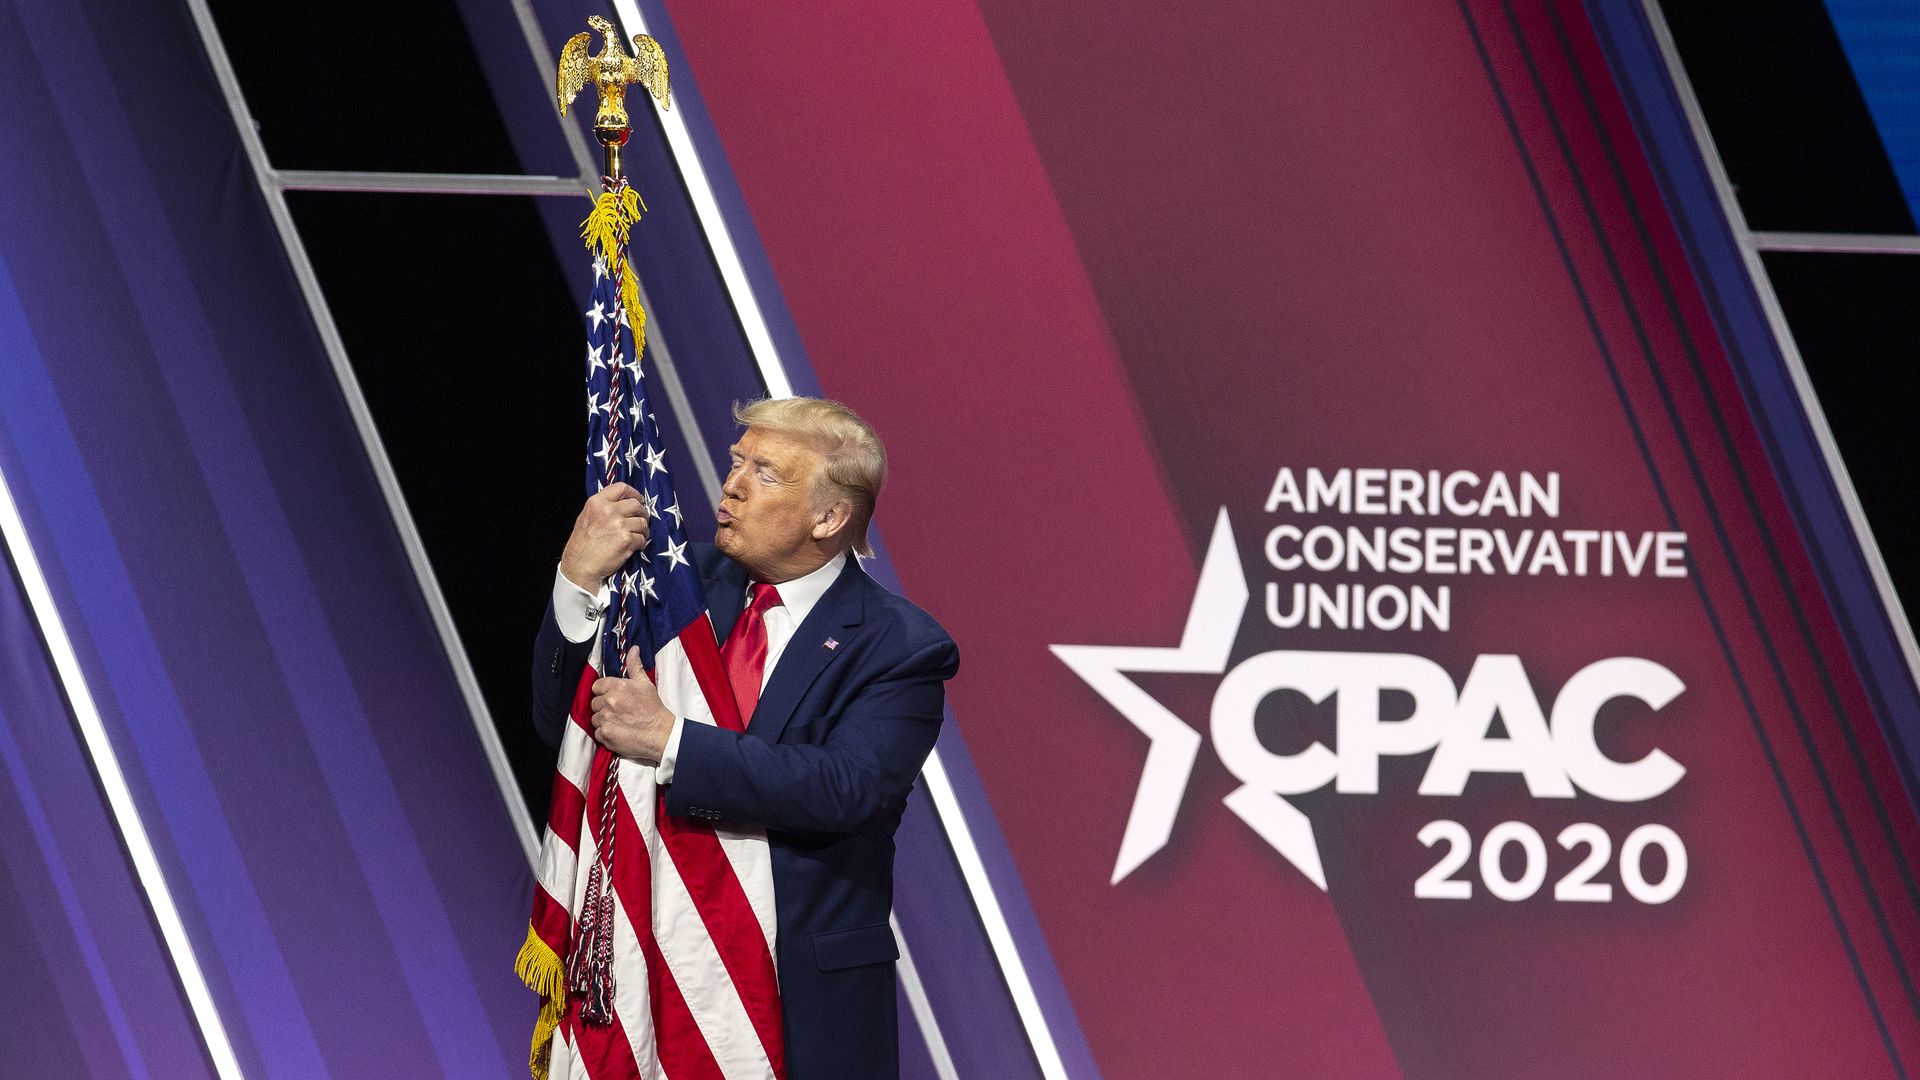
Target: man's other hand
x,y
628,717
611,527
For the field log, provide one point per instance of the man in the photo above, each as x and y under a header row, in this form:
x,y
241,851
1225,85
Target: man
x,y
851,699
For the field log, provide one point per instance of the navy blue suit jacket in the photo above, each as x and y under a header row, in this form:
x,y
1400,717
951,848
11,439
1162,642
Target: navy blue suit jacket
x,y
824,766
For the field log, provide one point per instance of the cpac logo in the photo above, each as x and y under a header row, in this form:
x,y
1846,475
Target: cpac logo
x,y
1553,753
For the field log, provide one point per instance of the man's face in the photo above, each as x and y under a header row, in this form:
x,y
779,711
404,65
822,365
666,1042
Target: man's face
x,y
767,510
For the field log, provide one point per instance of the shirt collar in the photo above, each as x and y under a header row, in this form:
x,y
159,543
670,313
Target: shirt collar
x,y
802,593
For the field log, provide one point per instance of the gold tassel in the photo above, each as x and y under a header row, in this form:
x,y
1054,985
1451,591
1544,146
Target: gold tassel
x,y
606,230
613,216
545,975
630,299
606,227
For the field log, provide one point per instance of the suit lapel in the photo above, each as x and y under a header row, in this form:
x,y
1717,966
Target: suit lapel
x,y
807,654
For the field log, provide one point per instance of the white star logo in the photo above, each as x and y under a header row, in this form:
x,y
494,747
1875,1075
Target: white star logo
x,y
652,504
675,511
646,588
656,460
1219,602
599,268
597,313
633,457
594,362
594,404
606,449
676,555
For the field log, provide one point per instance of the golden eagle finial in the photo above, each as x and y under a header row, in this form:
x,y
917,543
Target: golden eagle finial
x,y
611,72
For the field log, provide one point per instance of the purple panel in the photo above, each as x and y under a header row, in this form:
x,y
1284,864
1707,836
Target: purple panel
x,y
90,965
32,990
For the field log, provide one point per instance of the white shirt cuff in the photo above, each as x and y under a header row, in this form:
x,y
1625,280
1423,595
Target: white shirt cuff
x,y
577,610
663,772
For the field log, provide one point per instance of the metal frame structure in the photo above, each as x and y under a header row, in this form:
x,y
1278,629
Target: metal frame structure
x,y
1839,243
1751,244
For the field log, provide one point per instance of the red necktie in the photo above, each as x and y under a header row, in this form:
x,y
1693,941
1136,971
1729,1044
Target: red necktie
x,y
745,652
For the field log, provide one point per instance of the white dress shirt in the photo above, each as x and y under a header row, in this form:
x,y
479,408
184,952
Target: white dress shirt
x,y
578,612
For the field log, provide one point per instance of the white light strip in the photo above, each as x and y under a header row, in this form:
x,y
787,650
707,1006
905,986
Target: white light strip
x,y
774,375
999,934
356,402
916,992
1783,338
745,306
113,783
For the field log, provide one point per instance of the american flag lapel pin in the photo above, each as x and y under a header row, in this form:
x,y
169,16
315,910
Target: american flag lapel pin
x,y
832,643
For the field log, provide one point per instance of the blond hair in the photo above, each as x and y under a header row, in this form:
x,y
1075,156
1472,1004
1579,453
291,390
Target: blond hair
x,y
853,462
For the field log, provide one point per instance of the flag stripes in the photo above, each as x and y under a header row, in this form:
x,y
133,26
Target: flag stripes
x,y
695,991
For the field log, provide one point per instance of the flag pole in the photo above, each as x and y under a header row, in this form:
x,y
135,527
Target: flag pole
x,y
611,140
587,968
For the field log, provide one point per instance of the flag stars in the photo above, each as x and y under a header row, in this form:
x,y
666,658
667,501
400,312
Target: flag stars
x,y
594,362
633,457
656,460
676,555
598,313
652,504
675,511
605,451
646,588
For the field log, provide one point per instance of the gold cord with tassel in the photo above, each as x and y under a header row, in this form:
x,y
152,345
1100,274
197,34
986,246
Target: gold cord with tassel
x,y
613,217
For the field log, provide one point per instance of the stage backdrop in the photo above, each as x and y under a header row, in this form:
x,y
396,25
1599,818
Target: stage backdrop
x,y
1388,648
1407,627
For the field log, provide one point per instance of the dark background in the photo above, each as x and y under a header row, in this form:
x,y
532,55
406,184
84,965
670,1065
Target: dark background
x,y
455,310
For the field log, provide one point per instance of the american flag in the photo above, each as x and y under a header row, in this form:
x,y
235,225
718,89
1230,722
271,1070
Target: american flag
x,y
693,991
